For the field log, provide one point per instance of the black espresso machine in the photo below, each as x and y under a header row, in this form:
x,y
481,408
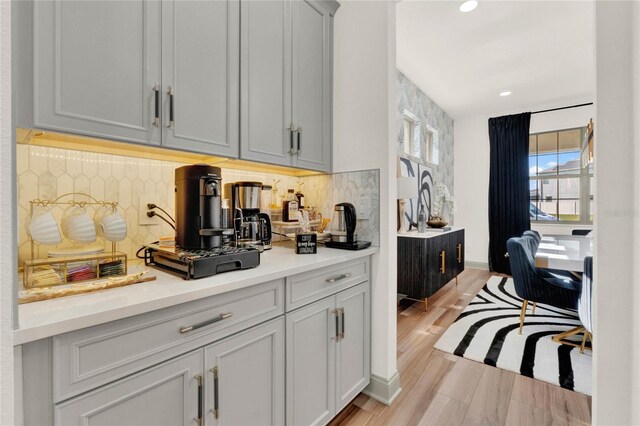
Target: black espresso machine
x,y
199,250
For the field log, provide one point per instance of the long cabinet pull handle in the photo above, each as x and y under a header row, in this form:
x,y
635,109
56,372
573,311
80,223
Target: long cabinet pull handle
x,y
341,322
171,124
341,277
200,399
291,130
337,318
443,255
220,317
156,116
299,133
215,410
459,253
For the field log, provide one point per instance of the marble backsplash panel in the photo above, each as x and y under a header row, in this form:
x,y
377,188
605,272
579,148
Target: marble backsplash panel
x,y
47,173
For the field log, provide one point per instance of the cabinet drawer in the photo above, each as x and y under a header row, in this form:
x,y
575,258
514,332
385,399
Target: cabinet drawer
x,y
308,287
91,357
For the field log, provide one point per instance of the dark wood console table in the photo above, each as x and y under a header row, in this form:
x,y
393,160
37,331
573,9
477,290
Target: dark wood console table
x,y
428,261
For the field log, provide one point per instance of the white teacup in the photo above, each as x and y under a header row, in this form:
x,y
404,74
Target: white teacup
x,y
43,227
111,225
78,226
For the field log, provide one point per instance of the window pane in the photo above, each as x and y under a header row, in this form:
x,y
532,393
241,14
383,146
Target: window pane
x,y
547,143
547,210
569,188
533,147
534,195
569,140
569,210
548,164
533,165
569,162
548,189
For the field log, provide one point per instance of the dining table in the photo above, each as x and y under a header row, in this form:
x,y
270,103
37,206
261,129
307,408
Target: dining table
x,y
564,252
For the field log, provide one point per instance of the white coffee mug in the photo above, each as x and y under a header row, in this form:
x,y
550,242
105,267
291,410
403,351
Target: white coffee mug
x,y
78,226
110,225
43,227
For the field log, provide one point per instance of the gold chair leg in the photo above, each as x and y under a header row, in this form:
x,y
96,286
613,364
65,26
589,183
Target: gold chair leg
x,y
584,341
533,310
523,312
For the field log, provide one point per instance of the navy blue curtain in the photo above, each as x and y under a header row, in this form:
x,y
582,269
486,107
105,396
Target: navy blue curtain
x,y
508,185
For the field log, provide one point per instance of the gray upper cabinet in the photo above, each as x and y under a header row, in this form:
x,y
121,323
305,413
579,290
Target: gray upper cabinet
x,y
265,78
163,395
311,87
285,84
200,76
245,377
95,65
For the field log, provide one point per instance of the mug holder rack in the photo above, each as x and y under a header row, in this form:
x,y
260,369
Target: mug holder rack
x,y
62,264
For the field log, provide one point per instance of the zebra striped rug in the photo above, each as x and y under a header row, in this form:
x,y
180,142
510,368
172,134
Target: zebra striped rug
x,y
487,331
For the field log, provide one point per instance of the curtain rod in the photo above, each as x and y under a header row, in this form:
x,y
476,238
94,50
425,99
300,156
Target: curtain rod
x,y
565,107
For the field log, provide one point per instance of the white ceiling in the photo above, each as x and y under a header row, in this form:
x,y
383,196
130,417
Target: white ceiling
x,y
542,51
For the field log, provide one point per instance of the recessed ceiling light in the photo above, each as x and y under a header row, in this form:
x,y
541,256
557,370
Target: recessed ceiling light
x,y
505,93
468,5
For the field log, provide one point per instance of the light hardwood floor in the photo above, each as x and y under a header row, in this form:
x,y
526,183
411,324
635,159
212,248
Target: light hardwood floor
x,y
443,389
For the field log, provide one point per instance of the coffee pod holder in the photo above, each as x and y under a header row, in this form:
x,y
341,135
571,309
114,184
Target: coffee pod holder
x,y
62,265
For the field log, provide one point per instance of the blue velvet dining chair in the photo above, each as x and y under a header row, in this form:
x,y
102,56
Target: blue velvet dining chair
x,y
584,310
535,284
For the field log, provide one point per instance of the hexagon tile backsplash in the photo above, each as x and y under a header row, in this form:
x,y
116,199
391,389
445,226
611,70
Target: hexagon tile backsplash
x,y
47,173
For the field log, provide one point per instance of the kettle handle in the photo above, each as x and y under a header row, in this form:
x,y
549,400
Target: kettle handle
x,y
349,217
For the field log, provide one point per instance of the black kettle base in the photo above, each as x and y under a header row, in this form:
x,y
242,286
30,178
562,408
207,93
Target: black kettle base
x,y
348,246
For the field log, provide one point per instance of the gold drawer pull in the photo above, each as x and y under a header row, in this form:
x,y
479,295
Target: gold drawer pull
x,y
443,255
206,323
341,277
459,253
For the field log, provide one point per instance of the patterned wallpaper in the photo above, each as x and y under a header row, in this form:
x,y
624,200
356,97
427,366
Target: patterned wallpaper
x,y
47,173
411,98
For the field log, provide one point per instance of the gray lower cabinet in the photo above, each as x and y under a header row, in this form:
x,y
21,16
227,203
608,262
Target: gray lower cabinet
x,y
285,82
328,355
166,394
95,66
245,377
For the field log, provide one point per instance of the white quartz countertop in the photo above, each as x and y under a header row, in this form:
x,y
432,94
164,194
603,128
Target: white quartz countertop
x,y
47,318
428,233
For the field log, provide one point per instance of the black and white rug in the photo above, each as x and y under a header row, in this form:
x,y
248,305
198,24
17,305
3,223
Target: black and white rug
x,y
487,331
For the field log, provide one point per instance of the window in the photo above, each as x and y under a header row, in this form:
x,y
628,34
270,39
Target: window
x,y
560,177
420,141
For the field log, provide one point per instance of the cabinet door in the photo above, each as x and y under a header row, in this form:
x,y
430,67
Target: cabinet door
x,y
96,64
245,377
265,79
200,76
166,394
312,85
353,370
311,344
436,275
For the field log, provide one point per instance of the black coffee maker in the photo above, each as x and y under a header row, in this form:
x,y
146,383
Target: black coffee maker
x,y
252,226
198,199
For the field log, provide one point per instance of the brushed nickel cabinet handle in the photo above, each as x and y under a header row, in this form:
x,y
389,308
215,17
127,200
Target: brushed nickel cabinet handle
x,y
341,322
215,409
338,278
299,133
291,130
200,399
220,317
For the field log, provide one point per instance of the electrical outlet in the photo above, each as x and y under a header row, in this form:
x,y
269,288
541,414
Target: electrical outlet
x,y
143,219
363,208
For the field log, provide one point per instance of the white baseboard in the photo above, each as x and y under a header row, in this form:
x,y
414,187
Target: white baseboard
x,y
383,390
476,265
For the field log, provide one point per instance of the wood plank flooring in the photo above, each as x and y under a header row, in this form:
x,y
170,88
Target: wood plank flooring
x,y
443,389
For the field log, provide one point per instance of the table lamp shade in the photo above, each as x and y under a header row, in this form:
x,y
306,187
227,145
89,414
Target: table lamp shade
x,y
407,188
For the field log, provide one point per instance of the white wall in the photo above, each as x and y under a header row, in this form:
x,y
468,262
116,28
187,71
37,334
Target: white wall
x,y
364,137
7,229
471,172
616,397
